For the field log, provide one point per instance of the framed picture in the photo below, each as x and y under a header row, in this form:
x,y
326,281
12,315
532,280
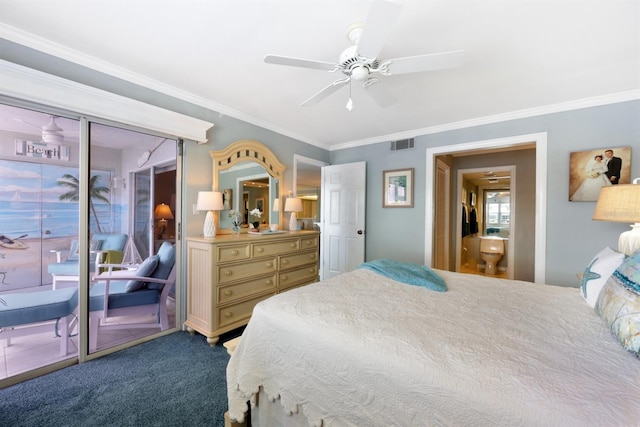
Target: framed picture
x,y
590,170
226,199
260,204
397,188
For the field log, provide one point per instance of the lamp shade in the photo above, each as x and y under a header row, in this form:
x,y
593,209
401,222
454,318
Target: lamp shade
x,y
621,203
293,205
618,203
209,201
276,205
163,212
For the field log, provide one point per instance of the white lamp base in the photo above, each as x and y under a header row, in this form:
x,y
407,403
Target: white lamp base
x,y
209,226
629,241
293,222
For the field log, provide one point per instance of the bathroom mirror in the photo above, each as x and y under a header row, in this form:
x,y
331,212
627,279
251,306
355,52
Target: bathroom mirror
x,y
253,174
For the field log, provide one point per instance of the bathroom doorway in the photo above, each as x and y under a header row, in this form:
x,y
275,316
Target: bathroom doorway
x,y
486,211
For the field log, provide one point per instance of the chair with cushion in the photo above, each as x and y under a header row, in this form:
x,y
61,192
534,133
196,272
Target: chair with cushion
x,y
51,311
100,246
132,293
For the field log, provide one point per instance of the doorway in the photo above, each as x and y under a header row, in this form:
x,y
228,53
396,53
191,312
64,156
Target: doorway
x,y
534,204
487,204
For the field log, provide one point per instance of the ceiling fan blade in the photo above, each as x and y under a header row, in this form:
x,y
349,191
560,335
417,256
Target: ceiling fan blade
x,y
381,94
325,92
380,20
296,62
434,61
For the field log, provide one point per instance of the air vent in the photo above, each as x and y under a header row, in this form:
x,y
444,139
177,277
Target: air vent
x,y
402,144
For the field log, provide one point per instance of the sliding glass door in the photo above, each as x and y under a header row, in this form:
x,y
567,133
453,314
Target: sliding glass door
x,y
53,181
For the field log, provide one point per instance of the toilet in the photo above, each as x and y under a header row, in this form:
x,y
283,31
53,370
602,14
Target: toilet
x,y
491,250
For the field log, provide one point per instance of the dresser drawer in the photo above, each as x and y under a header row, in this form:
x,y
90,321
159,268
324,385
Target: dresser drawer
x,y
232,272
234,252
292,261
240,312
275,248
309,242
231,293
301,275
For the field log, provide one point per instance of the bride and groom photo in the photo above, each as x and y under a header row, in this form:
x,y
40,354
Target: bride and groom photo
x,y
591,170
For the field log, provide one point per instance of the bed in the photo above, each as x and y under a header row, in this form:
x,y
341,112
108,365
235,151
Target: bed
x,y
364,349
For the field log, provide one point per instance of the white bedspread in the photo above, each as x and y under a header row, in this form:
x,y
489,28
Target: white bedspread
x,y
361,349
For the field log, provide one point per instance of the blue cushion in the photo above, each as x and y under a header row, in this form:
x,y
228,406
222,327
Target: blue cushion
x,y
119,297
111,242
65,268
31,307
167,257
145,269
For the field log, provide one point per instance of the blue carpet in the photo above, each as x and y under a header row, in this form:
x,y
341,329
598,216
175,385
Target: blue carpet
x,y
176,380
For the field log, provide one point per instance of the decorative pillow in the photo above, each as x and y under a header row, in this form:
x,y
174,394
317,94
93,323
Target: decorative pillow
x,y
598,272
145,269
619,306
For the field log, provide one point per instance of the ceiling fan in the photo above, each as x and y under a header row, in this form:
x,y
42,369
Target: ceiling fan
x,y
360,61
50,131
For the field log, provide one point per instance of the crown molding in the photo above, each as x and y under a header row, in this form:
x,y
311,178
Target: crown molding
x,y
613,98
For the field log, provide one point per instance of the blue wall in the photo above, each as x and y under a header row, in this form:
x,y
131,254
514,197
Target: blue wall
x,y
572,237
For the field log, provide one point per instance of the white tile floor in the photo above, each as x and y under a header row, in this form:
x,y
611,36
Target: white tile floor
x,y
37,350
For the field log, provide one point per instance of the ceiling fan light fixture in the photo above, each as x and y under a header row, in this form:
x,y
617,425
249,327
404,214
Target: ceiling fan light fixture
x,y
360,73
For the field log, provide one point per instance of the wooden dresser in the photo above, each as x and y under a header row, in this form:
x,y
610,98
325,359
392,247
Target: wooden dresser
x,y
229,274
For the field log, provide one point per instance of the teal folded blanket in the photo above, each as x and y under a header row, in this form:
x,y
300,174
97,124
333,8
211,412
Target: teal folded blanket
x,y
411,274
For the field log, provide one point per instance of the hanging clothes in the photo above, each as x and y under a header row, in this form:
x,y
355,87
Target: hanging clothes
x,y
473,221
465,222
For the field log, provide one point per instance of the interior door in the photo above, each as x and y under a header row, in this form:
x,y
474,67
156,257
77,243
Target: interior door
x,y
343,218
441,216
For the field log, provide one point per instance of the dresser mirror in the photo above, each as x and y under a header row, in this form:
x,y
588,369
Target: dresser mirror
x,y
248,174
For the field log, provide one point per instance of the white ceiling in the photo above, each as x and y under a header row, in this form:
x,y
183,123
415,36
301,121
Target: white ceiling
x,y
520,55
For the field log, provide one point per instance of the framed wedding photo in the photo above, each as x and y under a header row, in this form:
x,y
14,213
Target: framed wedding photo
x,y
397,188
590,170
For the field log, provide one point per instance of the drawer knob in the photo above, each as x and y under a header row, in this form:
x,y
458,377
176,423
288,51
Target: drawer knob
x,y
308,242
269,282
312,270
312,256
284,278
269,264
285,261
234,252
228,292
228,314
228,273
292,245
259,249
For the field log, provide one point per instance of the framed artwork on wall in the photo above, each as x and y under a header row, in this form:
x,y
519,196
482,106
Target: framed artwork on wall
x,y
397,188
260,204
226,199
590,170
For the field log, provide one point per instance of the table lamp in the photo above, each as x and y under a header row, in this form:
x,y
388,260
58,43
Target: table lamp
x,y
621,203
162,213
293,205
209,201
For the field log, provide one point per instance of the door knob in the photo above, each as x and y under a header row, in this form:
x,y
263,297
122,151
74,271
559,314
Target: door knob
x,y
360,232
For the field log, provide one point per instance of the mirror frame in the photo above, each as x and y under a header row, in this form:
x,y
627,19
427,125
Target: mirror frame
x,y
244,150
